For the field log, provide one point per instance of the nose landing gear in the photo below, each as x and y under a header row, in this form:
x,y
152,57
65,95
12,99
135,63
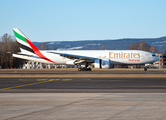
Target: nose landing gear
x,y
145,69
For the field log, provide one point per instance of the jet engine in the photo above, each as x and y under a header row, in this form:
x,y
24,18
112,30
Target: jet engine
x,y
102,63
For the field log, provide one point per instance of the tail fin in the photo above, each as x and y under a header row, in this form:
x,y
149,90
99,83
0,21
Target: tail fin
x,y
26,45
22,40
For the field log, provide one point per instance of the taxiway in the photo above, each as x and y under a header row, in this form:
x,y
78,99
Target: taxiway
x,y
31,96
82,85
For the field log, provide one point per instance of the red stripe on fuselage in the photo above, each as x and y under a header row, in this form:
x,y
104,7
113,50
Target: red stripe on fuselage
x,y
37,52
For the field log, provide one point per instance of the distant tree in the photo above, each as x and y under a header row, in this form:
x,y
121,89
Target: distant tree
x,y
152,49
93,48
142,45
6,48
132,46
1,44
17,62
54,48
43,46
102,47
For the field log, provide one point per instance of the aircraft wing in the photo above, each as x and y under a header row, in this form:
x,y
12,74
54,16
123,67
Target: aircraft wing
x,y
79,57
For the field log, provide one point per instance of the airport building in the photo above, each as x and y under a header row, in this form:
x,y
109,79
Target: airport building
x,y
162,61
38,65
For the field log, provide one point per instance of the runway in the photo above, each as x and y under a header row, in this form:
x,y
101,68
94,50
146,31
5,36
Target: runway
x,y
82,85
82,98
74,71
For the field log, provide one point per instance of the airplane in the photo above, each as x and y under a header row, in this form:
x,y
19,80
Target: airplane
x,y
102,59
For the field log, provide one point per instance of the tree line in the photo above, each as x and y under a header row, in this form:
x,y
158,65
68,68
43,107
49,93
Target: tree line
x,y
8,45
142,45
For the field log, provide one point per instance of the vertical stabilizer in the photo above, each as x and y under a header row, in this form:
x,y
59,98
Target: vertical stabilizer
x,y
26,45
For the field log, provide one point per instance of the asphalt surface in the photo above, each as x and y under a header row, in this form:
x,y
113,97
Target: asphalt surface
x,y
50,98
61,72
82,106
82,85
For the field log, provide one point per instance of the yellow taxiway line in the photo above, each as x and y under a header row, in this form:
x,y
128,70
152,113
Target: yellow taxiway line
x,y
46,80
40,82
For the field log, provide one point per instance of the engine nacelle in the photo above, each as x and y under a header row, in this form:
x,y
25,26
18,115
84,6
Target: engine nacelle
x,y
102,63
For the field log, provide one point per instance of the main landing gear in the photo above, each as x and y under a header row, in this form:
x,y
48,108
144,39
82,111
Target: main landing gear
x,y
84,69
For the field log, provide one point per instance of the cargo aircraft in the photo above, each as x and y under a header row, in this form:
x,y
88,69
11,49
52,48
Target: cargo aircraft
x,y
102,59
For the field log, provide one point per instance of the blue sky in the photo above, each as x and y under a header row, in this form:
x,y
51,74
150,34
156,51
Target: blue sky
x,y
65,20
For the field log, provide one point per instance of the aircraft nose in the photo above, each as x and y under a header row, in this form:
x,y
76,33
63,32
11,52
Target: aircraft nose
x,y
157,58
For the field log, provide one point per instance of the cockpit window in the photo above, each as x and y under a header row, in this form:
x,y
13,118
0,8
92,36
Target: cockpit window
x,y
153,55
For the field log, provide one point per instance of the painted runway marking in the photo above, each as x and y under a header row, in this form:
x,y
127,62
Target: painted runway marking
x,y
40,82
41,79
7,88
20,86
32,83
54,79
66,79
46,80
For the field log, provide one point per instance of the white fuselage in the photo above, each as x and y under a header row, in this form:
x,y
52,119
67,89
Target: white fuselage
x,y
116,56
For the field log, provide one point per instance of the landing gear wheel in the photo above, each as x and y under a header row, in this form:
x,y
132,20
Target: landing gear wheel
x,y
89,69
84,69
145,69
